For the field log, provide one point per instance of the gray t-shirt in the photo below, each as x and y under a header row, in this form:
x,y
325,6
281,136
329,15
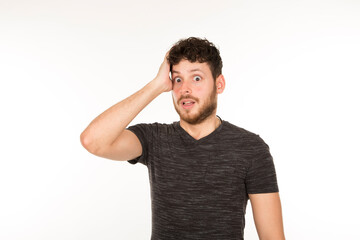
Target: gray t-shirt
x,y
199,188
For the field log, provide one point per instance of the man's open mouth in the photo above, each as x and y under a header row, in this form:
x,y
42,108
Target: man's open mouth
x,y
187,103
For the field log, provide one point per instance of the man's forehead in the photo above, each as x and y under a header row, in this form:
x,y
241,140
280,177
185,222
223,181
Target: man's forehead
x,y
185,66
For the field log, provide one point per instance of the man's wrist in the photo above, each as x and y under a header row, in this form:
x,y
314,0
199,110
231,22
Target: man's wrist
x,y
157,86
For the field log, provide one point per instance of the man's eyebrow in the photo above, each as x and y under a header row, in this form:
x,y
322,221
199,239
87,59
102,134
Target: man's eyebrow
x,y
192,70
195,70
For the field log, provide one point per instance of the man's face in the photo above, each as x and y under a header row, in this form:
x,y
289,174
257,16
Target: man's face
x,y
194,92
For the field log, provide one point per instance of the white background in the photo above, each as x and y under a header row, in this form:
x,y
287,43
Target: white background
x,y
292,73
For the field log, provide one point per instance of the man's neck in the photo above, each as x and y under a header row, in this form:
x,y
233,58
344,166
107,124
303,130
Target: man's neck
x,y
202,129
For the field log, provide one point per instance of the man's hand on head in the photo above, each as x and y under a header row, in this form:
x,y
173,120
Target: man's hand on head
x,y
162,78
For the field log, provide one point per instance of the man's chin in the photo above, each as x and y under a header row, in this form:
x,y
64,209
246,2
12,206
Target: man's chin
x,y
196,117
191,119
187,115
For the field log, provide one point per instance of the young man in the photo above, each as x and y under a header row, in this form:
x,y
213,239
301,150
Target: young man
x,y
202,169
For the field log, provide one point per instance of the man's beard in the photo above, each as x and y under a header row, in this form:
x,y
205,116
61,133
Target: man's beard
x,y
204,112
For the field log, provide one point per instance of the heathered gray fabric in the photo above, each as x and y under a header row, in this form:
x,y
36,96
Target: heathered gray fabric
x,y
199,187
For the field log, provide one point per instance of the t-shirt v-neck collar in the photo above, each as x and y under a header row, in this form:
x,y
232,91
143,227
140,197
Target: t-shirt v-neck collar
x,y
188,138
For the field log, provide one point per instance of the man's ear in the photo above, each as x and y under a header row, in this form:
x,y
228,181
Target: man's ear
x,y
220,84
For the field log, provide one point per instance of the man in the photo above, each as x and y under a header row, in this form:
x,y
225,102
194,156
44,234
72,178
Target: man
x,y
202,169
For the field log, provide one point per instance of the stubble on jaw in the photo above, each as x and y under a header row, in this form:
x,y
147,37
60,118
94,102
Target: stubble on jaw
x,y
204,112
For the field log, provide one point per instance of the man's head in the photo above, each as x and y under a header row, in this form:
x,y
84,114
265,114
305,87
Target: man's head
x,y
196,50
195,66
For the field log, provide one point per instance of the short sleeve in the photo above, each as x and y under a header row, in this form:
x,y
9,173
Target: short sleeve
x,y
261,175
144,133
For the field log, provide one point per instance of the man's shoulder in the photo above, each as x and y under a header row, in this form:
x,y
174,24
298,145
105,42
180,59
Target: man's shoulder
x,y
155,126
242,133
238,130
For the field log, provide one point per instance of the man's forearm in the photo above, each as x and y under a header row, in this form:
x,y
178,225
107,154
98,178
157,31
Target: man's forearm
x,y
105,128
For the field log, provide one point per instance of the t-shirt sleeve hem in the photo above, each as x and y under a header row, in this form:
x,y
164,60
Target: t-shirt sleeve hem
x,y
136,160
264,191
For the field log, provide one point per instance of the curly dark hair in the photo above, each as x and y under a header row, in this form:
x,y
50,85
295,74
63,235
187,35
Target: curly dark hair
x,y
196,50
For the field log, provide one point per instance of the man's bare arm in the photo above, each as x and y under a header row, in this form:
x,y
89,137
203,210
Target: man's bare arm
x,y
267,214
106,135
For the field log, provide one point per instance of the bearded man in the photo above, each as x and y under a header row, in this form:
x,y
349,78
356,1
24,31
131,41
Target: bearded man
x,y
202,169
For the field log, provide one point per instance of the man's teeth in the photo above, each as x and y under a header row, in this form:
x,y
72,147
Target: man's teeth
x,y
188,102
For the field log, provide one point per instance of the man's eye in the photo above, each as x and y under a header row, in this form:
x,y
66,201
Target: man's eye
x,y
177,79
197,78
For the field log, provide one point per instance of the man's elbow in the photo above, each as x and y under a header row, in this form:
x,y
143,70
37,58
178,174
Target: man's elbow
x,y
88,143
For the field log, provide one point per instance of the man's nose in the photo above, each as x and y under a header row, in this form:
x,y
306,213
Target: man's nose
x,y
185,88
